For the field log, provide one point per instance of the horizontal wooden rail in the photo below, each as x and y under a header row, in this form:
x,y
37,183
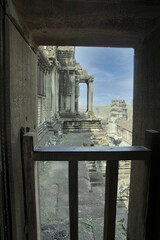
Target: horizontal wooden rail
x,y
90,153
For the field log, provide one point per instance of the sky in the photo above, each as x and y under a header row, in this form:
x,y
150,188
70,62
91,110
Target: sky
x,y
113,73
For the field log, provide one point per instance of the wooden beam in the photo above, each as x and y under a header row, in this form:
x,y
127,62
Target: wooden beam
x,y
73,199
153,207
110,200
31,227
90,153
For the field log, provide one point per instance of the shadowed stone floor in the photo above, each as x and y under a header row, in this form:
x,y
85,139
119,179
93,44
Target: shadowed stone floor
x,y
54,199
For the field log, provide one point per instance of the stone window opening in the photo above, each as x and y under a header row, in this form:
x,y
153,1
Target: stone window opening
x,y
83,98
41,82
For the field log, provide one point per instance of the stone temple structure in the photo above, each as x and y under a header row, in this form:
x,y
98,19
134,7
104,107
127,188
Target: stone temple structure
x,y
70,75
118,111
59,76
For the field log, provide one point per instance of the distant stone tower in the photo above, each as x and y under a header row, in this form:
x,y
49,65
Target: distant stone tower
x,y
118,110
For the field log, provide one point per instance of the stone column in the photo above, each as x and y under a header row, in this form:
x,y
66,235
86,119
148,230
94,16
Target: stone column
x,y
57,92
77,96
54,91
90,97
87,95
72,79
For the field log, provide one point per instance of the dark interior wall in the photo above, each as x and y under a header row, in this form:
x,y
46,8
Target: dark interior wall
x,y
146,116
2,217
147,87
21,111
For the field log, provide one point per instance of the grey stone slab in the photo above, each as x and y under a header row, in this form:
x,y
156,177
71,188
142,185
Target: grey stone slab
x,y
54,173
83,171
83,186
48,202
75,139
85,230
96,177
63,213
63,187
100,191
95,211
89,198
98,225
63,200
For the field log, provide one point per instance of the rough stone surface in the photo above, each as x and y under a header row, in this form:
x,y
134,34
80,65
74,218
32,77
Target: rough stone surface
x,y
88,23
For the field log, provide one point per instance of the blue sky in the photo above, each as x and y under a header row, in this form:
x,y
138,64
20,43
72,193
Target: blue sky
x,y
113,72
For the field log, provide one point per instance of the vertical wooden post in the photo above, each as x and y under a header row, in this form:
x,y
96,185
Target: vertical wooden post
x,y
153,213
110,200
30,191
73,199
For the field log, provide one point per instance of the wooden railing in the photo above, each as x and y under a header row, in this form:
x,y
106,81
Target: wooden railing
x,y
74,154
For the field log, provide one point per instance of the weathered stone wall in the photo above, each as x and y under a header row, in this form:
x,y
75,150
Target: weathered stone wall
x,y
119,129
45,111
124,130
66,57
48,92
44,86
146,112
21,89
118,110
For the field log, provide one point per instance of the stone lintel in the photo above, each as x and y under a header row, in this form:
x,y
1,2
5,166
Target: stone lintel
x,y
67,68
84,79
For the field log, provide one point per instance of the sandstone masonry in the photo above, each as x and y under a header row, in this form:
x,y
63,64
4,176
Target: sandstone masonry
x,y
59,76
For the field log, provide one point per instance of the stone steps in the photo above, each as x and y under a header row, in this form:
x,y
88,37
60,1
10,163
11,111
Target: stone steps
x,y
71,125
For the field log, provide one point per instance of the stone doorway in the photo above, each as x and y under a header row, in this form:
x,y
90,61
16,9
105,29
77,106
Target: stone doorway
x,y
83,98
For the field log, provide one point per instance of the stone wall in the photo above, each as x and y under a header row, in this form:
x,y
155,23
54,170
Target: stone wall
x,y
146,112
124,130
21,105
118,110
119,129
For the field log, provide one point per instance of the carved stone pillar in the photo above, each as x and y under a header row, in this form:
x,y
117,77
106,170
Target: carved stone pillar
x,y
90,96
72,80
55,88
57,92
76,96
